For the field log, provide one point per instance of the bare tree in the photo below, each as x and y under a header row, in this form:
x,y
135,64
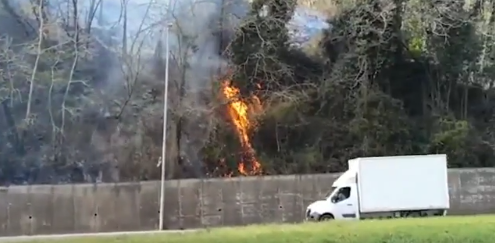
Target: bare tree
x,y
41,28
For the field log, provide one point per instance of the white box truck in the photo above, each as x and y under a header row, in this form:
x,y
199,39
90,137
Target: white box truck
x,y
387,187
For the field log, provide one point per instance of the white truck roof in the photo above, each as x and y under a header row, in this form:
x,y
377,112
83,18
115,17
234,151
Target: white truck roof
x,y
402,183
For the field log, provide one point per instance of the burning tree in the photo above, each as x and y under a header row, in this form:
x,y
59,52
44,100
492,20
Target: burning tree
x,y
238,112
257,68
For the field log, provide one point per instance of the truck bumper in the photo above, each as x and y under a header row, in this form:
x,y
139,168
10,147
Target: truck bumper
x,y
311,216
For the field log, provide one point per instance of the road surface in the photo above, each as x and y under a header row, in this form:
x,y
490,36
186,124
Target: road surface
x,y
28,238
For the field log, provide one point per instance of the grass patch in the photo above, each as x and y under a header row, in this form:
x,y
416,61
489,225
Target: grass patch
x,y
432,230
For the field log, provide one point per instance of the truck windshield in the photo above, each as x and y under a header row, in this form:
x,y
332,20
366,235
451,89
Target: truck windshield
x,y
330,194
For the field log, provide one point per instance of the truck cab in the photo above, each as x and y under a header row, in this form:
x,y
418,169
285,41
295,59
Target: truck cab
x,y
341,202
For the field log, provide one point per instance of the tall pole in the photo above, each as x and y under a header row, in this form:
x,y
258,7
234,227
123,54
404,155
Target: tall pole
x,y
164,137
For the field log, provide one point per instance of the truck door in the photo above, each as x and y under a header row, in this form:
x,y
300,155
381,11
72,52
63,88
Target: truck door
x,y
344,201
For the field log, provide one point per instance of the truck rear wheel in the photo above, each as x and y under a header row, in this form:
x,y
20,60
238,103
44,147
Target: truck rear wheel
x,y
326,217
415,214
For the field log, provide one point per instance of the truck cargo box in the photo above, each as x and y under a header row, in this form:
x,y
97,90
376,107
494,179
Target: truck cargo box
x,y
402,183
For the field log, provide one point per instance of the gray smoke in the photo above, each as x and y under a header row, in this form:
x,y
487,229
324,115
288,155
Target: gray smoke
x,y
200,31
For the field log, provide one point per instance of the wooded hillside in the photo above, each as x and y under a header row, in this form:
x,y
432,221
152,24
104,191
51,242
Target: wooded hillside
x,y
390,77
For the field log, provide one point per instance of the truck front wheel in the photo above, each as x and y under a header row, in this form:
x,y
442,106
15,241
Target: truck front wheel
x,y
325,217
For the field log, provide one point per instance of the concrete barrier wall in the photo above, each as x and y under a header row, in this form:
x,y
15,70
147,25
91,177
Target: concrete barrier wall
x,y
28,210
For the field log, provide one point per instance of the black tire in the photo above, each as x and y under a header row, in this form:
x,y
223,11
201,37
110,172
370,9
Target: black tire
x,y
416,214
326,217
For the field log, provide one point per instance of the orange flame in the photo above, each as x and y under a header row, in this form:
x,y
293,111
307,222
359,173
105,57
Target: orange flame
x,y
238,114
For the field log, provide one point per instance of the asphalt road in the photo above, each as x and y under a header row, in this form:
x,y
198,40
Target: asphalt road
x,y
28,238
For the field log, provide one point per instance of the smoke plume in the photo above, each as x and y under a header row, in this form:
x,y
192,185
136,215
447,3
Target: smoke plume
x,y
199,35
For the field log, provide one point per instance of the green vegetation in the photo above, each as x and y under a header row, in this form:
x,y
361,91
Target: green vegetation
x,y
391,78
433,230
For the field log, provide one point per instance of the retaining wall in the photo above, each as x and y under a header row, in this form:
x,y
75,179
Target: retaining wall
x,y
57,209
